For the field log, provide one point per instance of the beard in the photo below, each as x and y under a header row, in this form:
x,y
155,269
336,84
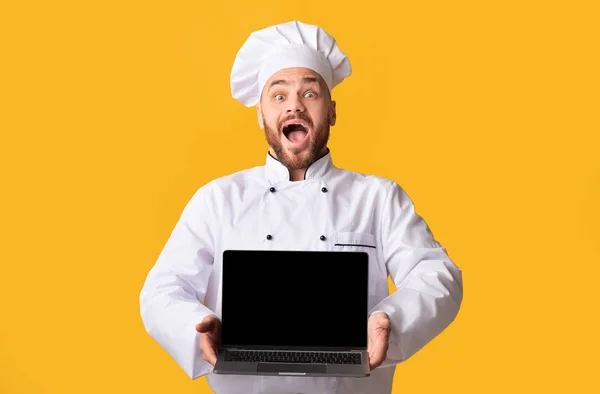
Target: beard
x,y
302,159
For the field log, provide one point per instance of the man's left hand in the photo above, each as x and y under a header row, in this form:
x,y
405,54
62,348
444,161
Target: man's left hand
x,y
379,334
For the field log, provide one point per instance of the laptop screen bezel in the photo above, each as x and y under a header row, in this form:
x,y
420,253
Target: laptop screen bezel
x,y
225,345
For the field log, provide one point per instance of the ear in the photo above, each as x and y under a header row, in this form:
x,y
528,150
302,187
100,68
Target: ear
x,y
261,122
332,114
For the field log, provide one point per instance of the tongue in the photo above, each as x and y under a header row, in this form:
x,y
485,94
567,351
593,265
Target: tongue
x,y
297,135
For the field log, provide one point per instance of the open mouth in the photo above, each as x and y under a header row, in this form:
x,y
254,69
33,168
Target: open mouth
x,y
295,132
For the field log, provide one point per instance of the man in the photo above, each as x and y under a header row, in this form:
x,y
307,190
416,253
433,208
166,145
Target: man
x,y
299,200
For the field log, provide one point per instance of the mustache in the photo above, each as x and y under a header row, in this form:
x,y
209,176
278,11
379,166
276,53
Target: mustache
x,y
299,116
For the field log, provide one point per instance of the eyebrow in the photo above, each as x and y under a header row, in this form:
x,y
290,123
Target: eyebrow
x,y
284,82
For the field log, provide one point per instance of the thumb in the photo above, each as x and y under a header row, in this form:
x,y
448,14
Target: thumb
x,y
385,323
208,324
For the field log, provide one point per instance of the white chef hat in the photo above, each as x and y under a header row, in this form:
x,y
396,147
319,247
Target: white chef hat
x,y
290,44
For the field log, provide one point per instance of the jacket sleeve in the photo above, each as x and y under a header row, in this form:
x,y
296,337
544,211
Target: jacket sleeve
x,y
428,284
172,295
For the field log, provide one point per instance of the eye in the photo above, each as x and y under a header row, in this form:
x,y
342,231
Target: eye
x,y
310,95
279,97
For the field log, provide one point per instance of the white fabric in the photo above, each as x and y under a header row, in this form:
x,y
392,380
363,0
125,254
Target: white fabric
x,y
294,55
290,44
238,211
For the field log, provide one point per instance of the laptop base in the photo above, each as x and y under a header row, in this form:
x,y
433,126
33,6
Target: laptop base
x,y
291,369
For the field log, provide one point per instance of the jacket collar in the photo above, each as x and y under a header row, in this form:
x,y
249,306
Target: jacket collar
x,y
277,172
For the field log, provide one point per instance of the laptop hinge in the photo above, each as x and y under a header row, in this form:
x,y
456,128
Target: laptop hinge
x,y
296,350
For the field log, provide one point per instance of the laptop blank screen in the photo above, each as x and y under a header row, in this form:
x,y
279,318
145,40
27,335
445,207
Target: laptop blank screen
x,y
289,299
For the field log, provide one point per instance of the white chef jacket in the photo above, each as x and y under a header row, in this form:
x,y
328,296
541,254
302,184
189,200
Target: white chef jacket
x,y
260,208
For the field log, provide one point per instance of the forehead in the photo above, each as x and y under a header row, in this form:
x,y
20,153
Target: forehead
x,y
295,75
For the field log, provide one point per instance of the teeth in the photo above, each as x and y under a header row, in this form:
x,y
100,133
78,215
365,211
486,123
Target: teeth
x,y
296,125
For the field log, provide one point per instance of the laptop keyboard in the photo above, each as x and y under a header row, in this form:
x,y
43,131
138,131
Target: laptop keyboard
x,y
293,357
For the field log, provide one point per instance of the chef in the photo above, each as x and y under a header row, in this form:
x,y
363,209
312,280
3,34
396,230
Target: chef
x,y
299,200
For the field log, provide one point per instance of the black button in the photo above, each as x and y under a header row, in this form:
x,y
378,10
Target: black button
x,y
272,189
324,190
323,238
269,236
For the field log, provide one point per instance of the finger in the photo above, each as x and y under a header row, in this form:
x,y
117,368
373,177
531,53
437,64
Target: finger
x,y
209,354
378,351
375,359
207,325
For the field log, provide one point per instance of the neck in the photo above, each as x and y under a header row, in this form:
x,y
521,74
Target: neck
x,y
298,174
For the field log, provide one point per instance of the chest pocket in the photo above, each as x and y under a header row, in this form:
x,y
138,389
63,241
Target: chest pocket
x,y
360,242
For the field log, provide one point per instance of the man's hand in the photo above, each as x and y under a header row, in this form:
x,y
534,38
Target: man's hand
x,y
379,334
210,338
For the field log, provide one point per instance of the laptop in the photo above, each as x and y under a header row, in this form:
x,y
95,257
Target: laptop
x,y
294,313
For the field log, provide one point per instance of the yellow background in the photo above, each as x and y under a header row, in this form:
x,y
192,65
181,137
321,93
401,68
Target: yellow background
x,y
113,113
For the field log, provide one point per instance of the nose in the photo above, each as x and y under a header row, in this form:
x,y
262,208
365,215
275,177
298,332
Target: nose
x,y
295,104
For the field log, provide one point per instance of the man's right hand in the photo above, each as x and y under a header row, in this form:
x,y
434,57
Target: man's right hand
x,y
210,337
